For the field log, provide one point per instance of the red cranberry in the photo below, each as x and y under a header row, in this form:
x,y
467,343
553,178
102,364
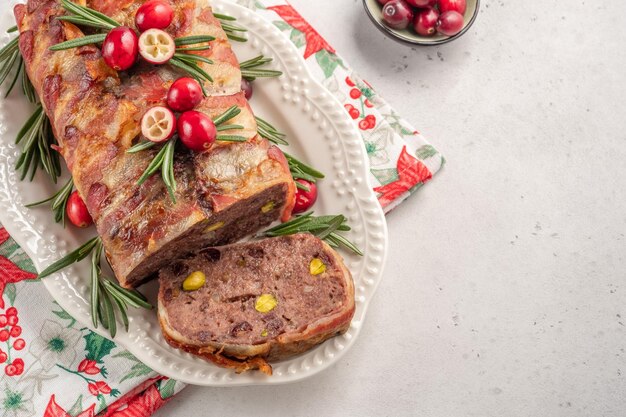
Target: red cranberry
x,y
196,130
12,320
3,357
156,46
158,124
77,212
397,14
11,311
120,48
452,5
355,93
305,199
246,87
426,4
450,23
426,22
184,94
3,320
4,335
154,14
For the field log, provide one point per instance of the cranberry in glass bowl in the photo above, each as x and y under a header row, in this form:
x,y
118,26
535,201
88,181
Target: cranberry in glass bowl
x,y
409,35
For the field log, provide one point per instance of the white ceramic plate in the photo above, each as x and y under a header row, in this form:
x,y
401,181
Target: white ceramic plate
x,y
319,131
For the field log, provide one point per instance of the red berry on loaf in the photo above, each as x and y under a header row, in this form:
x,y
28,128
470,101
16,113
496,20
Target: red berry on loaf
x,y
77,212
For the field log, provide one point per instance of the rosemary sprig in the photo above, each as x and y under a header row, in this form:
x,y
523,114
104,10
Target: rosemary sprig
x,y
231,138
9,54
300,170
103,293
326,228
10,58
192,40
164,162
141,146
270,133
36,135
190,62
78,255
230,28
81,21
220,124
12,29
164,159
224,17
58,202
75,43
84,16
229,114
88,15
192,68
250,68
192,58
27,86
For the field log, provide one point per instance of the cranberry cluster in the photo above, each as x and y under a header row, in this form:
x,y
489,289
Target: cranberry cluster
x,y
10,334
196,130
122,45
426,17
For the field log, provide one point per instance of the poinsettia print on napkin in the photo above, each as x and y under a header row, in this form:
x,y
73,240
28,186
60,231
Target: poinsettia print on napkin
x,y
401,159
51,365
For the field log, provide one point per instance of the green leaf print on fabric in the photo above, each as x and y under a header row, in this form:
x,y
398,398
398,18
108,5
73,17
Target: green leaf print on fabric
x,y
77,408
62,314
426,152
97,347
137,370
328,62
281,25
166,388
10,292
297,38
386,176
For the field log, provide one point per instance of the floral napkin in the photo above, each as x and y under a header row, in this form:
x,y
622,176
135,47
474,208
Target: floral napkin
x,y
53,366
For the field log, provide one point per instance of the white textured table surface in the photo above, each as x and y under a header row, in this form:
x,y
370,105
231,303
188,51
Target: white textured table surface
x,y
505,292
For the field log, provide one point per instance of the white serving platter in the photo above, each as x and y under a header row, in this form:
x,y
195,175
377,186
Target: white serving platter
x,y
319,131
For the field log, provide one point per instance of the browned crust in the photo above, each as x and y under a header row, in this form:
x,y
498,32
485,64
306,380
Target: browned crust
x,y
218,357
243,358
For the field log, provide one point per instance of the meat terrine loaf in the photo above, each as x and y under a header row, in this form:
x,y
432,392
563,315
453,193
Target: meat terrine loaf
x,y
222,195
244,305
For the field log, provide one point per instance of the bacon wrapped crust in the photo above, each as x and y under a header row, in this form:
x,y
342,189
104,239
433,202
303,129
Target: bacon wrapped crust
x,y
222,195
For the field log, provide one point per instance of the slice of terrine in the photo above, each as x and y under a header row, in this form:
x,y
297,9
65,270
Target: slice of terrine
x,y
244,305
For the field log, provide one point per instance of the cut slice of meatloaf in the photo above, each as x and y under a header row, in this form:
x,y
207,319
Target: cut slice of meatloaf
x,y
222,195
261,301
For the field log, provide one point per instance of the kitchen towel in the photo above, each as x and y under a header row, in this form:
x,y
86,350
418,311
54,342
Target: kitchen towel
x,y
53,366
